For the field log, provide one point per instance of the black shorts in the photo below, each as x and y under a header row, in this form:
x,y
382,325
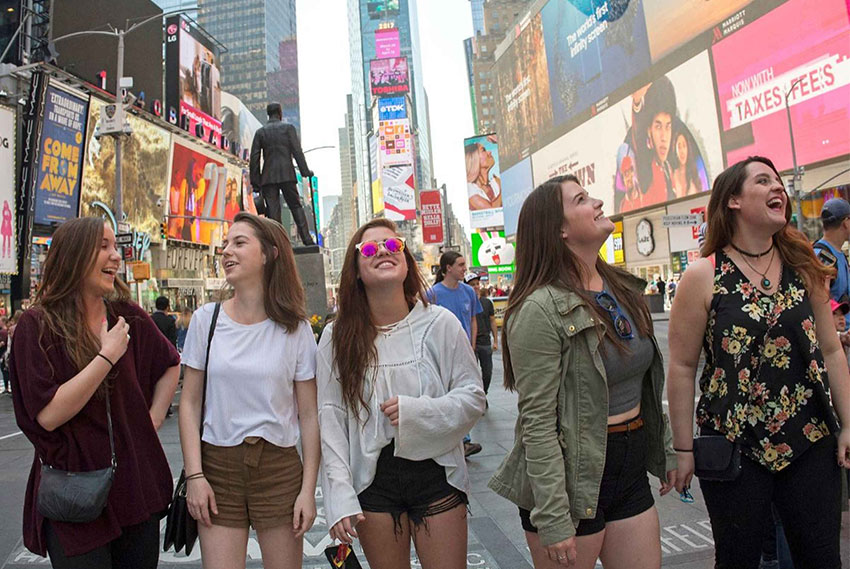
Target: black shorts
x,y
417,488
624,492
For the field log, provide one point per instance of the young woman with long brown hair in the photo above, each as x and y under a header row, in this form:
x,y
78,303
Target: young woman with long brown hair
x,y
84,344
260,396
398,389
579,350
757,303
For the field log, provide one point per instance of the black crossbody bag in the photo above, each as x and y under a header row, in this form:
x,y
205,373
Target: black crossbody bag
x,y
181,529
76,497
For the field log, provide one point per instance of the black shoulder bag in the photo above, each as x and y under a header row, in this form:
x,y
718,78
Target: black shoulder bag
x,y
181,529
76,497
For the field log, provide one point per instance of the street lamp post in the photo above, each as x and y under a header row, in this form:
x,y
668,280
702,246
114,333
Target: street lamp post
x,y
119,103
448,236
797,179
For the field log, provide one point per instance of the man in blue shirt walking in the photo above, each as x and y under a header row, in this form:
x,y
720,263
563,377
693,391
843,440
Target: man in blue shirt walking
x,y
449,291
835,216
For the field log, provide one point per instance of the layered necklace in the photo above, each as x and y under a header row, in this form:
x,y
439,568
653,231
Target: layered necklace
x,y
765,282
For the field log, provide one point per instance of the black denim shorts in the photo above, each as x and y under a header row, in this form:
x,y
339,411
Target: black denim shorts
x,y
417,488
624,492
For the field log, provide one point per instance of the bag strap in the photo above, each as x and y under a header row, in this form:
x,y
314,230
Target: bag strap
x,y
109,427
207,363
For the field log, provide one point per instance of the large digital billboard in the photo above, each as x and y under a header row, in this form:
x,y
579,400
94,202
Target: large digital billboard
x,y
592,48
483,183
387,43
394,143
672,23
192,80
389,76
659,144
379,9
797,43
144,164
517,183
399,193
238,124
523,105
492,251
390,108
60,157
8,243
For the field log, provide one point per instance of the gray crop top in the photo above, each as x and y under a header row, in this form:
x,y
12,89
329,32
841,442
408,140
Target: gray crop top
x,y
626,369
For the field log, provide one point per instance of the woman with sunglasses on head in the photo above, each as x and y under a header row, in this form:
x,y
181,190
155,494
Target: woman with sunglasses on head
x,y
399,387
242,466
578,348
93,378
757,304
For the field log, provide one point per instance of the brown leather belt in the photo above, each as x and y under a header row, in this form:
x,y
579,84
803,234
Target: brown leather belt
x,y
632,425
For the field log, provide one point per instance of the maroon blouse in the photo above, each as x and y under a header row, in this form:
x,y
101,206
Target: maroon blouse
x,y
143,482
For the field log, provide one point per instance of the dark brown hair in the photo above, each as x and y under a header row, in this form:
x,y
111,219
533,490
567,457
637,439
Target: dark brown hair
x,y
73,253
543,258
447,259
354,332
794,247
283,293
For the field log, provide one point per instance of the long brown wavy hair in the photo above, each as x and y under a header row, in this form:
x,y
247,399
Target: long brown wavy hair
x,y
354,331
794,247
543,258
283,294
59,300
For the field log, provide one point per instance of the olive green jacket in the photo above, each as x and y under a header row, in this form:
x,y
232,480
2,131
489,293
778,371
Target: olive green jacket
x,y
556,464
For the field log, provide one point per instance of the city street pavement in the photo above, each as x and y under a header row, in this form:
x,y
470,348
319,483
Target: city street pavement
x,y
496,540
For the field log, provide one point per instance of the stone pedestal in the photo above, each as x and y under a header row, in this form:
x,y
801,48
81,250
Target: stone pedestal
x,y
311,268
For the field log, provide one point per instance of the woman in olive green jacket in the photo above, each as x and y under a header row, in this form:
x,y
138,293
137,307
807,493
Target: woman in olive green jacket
x,y
580,352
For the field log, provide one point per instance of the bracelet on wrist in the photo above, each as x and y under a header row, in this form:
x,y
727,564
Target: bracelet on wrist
x,y
194,476
110,362
683,449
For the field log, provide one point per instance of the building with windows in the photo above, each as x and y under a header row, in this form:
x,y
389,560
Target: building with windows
x,y
261,62
491,21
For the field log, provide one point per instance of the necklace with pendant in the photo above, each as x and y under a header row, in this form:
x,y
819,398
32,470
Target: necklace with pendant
x,y
765,282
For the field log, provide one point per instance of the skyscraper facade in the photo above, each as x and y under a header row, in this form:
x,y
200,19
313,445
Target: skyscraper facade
x,y
261,62
170,5
366,17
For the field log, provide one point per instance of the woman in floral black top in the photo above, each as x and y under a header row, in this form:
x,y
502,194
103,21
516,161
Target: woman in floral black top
x,y
757,304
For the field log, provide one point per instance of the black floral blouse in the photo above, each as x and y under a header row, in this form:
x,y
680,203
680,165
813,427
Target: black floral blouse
x,y
764,383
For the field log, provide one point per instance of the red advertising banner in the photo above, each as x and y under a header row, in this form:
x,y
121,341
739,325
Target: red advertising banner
x,y
389,76
432,216
387,43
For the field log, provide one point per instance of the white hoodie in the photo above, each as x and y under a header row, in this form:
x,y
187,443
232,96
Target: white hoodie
x,y
427,361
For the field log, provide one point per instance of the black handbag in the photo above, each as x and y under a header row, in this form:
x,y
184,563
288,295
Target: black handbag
x,y
716,458
342,557
76,497
181,529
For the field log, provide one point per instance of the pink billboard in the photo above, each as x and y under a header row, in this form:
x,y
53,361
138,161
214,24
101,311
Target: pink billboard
x,y
387,43
800,44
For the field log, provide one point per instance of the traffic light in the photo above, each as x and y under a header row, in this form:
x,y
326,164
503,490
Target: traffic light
x,y
163,230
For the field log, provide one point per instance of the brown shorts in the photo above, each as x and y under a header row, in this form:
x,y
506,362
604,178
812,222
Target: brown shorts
x,y
255,483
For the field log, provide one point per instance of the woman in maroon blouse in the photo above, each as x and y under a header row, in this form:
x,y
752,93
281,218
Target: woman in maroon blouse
x,y
82,341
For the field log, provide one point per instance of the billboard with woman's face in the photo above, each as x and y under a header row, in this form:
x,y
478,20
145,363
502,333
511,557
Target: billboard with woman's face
x,y
483,183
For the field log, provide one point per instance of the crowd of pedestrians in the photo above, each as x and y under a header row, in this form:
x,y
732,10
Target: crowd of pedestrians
x,y
382,408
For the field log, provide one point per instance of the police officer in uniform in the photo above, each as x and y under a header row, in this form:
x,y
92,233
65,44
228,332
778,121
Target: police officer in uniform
x,y
835,216
277,142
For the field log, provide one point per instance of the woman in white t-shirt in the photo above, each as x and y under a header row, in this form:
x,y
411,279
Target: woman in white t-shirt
x,y
244,469
399,388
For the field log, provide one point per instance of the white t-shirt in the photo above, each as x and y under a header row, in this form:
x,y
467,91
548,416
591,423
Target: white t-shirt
x,y
252,370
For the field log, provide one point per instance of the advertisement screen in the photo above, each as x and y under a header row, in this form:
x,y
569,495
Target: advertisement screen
x,y
659,144
144,166
394,142
60,157
192,81
483,182
517,183
524,108
193,178
8,244
815,58
592,47
672,23
387,43
399,193
389,76
238,124
379,9
432,216
392,108
491,250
